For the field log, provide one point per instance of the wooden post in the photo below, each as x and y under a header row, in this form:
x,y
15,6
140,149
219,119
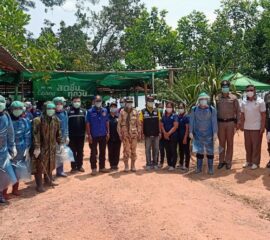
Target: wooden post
x,y
171,77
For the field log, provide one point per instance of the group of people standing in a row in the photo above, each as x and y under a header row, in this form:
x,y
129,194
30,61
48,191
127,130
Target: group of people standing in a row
x,y
171,129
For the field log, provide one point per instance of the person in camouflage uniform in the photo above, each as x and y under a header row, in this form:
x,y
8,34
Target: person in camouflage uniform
x,y
129,130
46,133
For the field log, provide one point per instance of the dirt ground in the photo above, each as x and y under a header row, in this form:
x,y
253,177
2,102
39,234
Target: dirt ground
x,y
146,205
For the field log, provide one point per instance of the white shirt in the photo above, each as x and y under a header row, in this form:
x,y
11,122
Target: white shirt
x,y
252,111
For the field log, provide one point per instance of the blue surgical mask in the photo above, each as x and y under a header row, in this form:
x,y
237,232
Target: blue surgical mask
x,y
203,102
50,112
17,112
225,90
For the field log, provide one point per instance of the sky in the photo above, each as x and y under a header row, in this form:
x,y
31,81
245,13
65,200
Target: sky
x,y
175,8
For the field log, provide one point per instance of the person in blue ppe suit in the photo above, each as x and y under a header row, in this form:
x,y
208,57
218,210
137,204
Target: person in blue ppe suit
x,y
203,131
7,151
62,115
22,131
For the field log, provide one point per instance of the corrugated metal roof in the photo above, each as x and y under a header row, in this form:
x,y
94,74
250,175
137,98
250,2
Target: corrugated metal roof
x,y
9,63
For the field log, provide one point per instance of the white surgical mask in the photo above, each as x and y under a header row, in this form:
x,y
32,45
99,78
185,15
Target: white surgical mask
x,y
181,111
169,110
250,94
2,107
76,104
59,107
150,104
203,102
98,104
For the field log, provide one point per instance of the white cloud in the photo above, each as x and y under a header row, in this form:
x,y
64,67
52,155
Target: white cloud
x,y
69,6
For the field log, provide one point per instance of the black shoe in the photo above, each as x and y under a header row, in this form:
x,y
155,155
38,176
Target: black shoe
x,y
228,166
268,165
73,170
81,169
221,165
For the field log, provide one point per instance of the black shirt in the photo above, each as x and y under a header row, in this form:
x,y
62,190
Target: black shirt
x,y
76,122
113,121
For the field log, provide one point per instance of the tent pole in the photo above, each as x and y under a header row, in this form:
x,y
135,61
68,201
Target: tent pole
x,y
22,85
171,76
145,90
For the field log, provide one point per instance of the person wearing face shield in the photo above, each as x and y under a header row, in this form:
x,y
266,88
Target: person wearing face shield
x,y
61,114
203,131
150,120
46,136
97,128
129,130
228,113
76,130
8,151
253,115
22,133
114,143
183,138
169,126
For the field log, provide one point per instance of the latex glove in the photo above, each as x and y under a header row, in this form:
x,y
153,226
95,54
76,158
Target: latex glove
x,y
268,137
67,141
191,136
61,148
37,152
215,137
14,152
26,152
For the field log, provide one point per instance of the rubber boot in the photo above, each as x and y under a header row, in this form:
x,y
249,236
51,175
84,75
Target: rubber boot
x,y
199,165
15,189
210,166
126,166
5,195
133,168
2,199
49,180
39,187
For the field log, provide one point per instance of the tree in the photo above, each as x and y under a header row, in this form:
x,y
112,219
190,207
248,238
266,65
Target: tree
x,y
150,42
108,26
193,31
74,45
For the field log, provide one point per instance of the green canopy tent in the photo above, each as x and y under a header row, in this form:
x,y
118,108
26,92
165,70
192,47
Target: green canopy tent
x,y
240,82
85,84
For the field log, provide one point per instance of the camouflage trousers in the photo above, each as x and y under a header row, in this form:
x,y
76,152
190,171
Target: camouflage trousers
x,y
129,149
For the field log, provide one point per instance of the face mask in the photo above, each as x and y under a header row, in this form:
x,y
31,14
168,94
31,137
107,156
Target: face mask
x,y
250,94
59,107
129,105
169,110
98,104
2,107
113,110
18,112
225,90
122,105
181,111
150,104
203,102
50,112
76,104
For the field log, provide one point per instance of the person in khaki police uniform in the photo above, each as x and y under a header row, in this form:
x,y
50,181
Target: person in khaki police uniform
x,y
129,130
228,112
